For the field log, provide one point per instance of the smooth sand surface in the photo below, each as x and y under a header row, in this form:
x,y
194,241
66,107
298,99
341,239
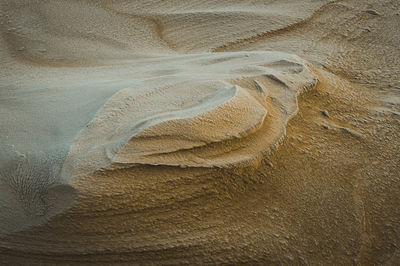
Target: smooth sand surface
x,y
173,132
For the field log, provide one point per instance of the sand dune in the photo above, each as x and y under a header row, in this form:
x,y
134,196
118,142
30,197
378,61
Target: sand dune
x,y
165,132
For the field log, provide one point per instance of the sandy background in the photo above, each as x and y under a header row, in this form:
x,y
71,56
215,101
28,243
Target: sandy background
x,y
199,132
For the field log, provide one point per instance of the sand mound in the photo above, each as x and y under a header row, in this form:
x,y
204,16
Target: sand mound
x,y
185,117
194,110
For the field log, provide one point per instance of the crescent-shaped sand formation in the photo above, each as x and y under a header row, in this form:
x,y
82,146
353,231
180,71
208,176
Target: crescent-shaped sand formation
x,y
145,131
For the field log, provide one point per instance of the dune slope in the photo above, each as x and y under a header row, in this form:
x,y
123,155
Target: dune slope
x,y
199,132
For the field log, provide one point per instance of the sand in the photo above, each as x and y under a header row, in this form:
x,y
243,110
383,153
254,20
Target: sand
x,y
199,132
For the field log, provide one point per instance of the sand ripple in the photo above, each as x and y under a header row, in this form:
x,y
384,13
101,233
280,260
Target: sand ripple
x,y
157,132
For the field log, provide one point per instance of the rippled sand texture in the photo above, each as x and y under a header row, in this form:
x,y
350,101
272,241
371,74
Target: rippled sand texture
x,y
199,132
